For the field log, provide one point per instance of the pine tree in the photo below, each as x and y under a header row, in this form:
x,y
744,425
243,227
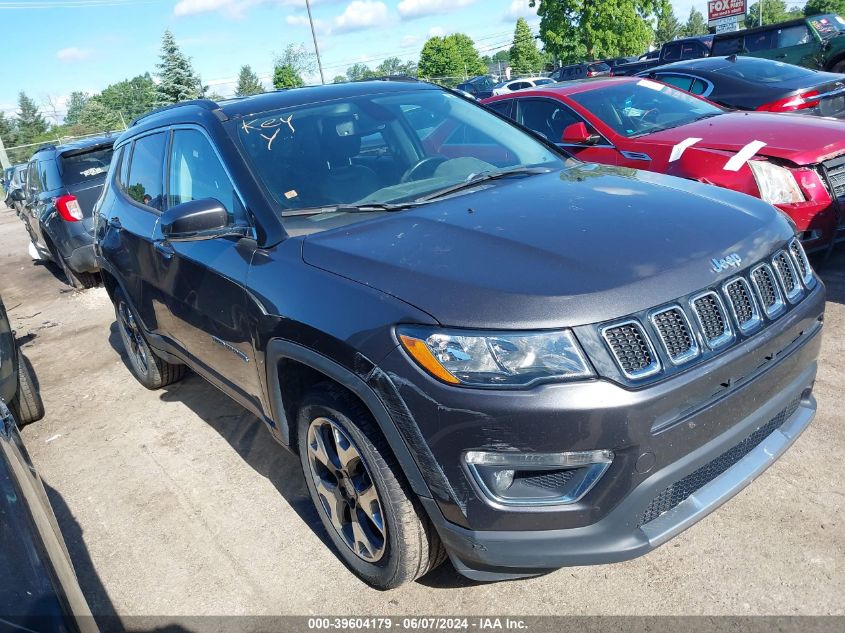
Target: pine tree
x,y
524,56
75,105
248,83
30,122
696,24
668,26
177,80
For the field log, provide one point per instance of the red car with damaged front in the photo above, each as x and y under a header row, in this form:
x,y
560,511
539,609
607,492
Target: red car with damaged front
x,y
794,162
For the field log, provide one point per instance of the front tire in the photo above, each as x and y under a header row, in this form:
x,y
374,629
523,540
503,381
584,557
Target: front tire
x,y
373,518
150,370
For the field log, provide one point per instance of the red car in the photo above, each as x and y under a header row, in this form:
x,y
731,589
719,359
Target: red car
x,y
794,162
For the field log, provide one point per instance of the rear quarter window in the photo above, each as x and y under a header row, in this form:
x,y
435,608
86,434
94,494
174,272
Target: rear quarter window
x,y
77,168
729,46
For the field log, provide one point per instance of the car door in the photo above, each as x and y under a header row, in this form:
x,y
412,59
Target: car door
x,y
550,118
32,203
200,284
798,45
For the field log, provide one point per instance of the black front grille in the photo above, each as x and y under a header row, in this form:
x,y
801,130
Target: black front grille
x,y
741,301
675,333
711,317
554,480
836,176
784,268
766,287
629,347
682,489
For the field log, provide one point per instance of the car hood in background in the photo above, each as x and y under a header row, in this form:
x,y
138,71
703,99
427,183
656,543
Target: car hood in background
x,y
798,138
579,246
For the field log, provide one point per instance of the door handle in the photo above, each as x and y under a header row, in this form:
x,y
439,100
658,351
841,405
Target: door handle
x,y
164,248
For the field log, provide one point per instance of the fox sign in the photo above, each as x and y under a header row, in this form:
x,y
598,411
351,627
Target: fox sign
x,y
718,9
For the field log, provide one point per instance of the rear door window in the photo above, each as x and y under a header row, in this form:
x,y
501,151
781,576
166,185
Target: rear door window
x,y
77,168
145,171
793,36
699,87
727,46
48,176
693,50
679,81
764,41
502,107
672,52
546,117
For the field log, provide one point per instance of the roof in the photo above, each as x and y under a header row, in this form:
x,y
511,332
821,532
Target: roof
x,y
711,64
77,144
757,29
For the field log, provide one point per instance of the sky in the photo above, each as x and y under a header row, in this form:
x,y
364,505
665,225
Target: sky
x,y
60,46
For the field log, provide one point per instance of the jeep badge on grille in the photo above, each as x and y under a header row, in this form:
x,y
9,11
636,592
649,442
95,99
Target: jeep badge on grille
x,y
729,261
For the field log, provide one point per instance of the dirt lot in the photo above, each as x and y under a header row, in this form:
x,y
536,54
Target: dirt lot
x,y
178,502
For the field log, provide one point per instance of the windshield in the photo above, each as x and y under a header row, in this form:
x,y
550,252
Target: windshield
x,y
828,26
382,149
642,107
764,70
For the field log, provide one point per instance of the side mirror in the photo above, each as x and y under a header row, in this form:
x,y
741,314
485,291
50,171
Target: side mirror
x,y
195,220
577,134
18,195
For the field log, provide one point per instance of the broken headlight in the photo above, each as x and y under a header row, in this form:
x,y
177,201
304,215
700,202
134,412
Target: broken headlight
x,y
490,359
777,185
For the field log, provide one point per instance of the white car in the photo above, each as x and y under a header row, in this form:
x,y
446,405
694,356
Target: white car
x,y
520,84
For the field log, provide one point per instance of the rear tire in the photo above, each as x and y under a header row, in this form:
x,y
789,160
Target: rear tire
x,y
27,406
406,545
80,281
150,370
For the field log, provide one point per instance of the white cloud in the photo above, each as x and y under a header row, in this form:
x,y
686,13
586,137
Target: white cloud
x,y
410,40
230,8
73,54
361,14
410,9
520,9
302,20
436,31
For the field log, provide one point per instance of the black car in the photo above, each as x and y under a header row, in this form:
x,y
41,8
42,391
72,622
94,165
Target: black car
x,y
17,181
62,185
479,87
676,50
39,590
749,83
478,346
582,71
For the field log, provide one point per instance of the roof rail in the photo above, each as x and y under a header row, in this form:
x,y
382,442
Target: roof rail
x,y
208,104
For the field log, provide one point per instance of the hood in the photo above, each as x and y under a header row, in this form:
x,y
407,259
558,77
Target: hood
x,y
579,246
798,138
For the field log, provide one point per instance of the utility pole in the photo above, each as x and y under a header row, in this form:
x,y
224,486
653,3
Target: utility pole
x,y
760,6
314,37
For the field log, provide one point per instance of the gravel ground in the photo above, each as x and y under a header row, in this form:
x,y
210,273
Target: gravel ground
x,y
177,502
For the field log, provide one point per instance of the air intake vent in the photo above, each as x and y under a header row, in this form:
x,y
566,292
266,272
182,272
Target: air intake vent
x,y
787,275
675,333
767,290
742,304
712,318
631,349
802,263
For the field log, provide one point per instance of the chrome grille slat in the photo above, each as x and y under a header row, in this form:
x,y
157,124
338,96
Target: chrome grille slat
x,y
675,334
632,349
742,304
802,263
712,319
787,276
768,291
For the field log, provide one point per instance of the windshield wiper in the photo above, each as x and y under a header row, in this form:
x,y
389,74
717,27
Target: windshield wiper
x,y
365,207
481,177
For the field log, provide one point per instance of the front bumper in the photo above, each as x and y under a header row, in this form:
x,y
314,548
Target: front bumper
x,y
717,425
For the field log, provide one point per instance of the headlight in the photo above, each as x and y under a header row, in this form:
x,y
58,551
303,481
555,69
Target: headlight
x,y
489,359
777,185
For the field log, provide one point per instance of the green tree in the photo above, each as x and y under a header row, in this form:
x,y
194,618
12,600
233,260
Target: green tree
x,y
357,72
339,79
96,117
395,66
774,11
668,26
285,76
814,7
177,79
130,97
441,59
298,58
696,24
75,105
8,130
471,63
248,83
524,56
574,30
30,123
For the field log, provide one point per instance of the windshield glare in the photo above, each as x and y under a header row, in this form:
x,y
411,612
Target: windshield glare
x,y
637,108
381,148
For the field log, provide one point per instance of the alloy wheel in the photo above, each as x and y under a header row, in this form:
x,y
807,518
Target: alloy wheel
x,y
346,490
132,335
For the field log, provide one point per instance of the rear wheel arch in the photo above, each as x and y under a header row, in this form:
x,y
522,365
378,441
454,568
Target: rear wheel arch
x,y
303,368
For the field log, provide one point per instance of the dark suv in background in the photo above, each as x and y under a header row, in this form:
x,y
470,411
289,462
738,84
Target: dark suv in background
x,y
582,71
477,345
479,87
62,185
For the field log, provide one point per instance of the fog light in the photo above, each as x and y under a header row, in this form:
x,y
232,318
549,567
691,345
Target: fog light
x,y
536,478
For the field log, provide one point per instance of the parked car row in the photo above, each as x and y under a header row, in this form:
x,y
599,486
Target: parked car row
x,y
479,345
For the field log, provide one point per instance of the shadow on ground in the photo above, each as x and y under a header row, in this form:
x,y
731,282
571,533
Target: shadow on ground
x,y
832,273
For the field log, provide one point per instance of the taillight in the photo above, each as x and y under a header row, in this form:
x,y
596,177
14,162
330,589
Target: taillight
x,y
800,101
591,73
68,208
